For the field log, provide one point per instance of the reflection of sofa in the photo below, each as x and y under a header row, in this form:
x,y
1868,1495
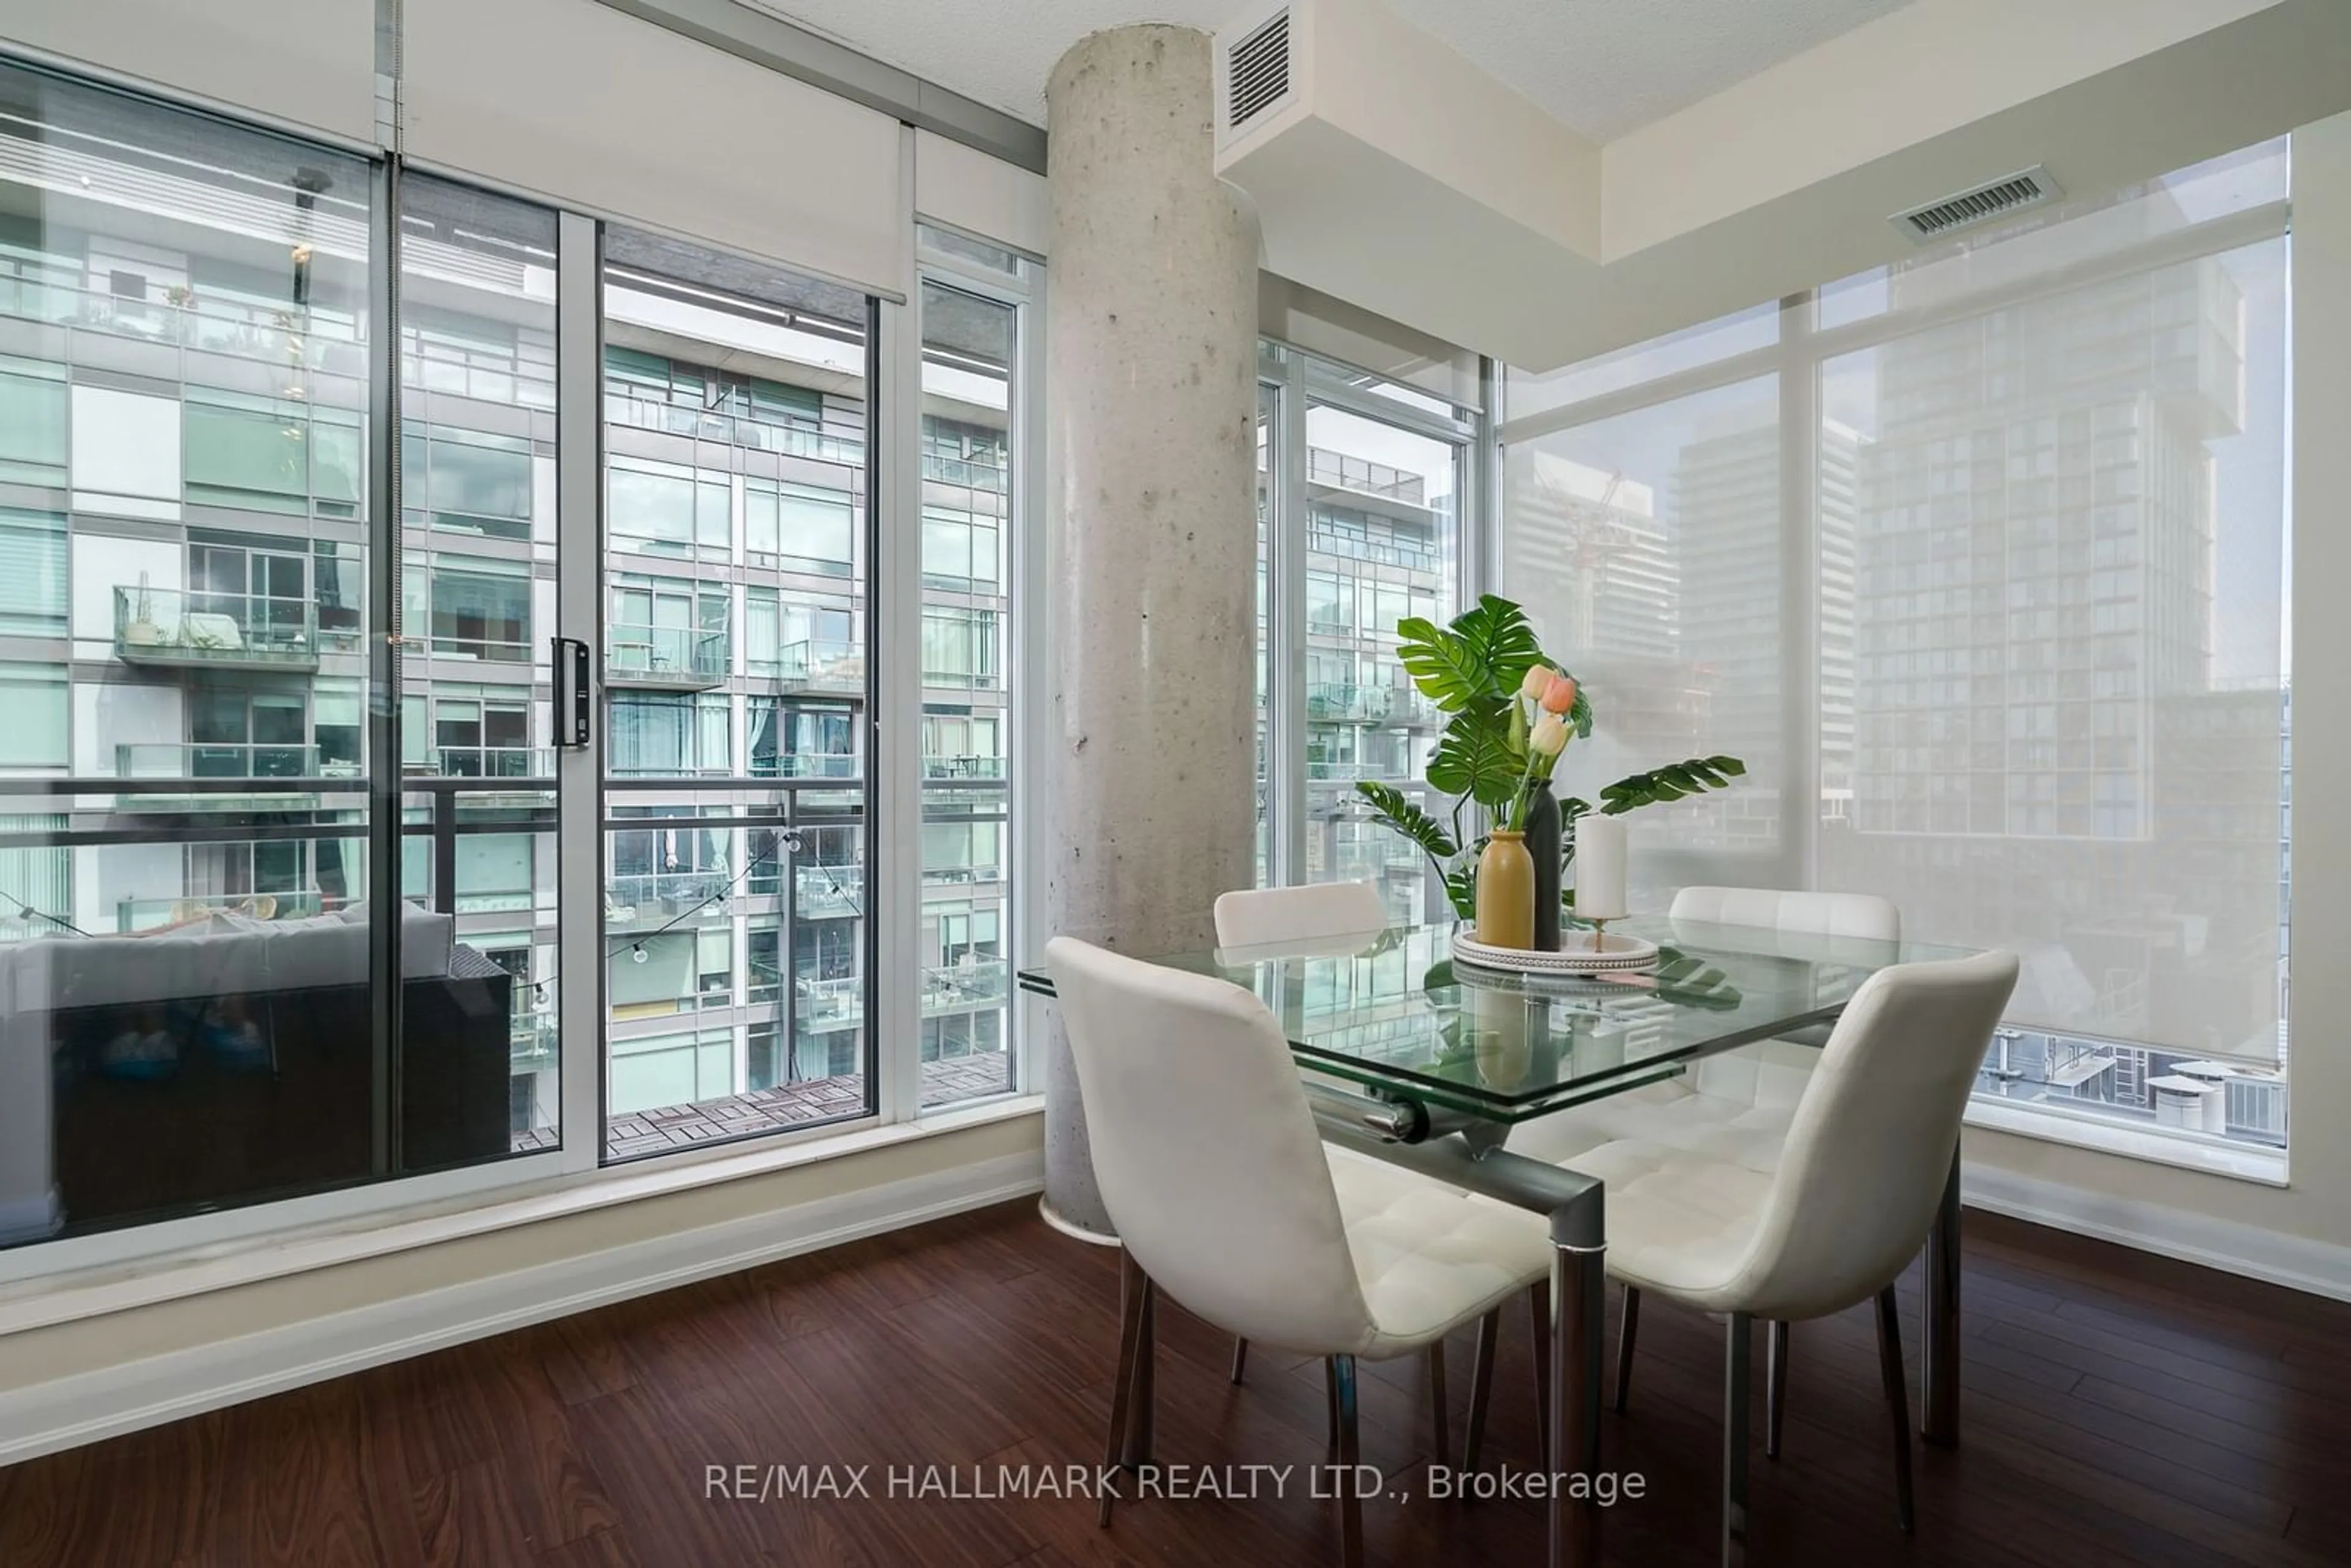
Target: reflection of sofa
x,y
230,1060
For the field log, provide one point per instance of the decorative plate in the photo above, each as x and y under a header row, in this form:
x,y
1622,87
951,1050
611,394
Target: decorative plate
x,y
1619,953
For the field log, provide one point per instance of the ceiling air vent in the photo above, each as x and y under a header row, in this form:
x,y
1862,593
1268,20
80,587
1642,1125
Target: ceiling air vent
x,y
2017,191
1257,71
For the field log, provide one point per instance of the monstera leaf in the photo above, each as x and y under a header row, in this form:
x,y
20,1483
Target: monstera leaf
x,y
1399,810
1671,782
1475,756
1485,653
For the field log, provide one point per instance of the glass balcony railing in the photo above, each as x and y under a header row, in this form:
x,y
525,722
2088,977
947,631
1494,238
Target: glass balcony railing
x,y
734,429
1340,703
686,897
147,914
815,664
962,873
830,1004
214,630
963,767
486,762
977,472
966,987
1342,472
676,658
805,765
163,760
828,891
282,334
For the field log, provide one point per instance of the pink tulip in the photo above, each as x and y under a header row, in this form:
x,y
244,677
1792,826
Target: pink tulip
x,y
1538,678
1559,694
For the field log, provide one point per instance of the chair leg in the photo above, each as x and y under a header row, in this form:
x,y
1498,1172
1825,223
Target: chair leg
x,y
1481,1386
1349,1455
1439,1415
1143,1421
1240,1357
1330,1411
1776,1388
1539,1319
1897,1402
1628,1329
1134,1289
1735,1380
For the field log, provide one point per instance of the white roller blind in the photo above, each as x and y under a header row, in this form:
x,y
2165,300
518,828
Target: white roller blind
x,y
575,100
981,195
308,61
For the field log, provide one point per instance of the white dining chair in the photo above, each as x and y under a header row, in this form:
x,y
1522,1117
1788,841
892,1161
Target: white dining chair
x,y
1734,1107
1850,1200
1307,918
1227,1200
1258,916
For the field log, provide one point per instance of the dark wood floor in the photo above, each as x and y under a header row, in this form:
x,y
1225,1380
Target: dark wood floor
x,y
2120,1409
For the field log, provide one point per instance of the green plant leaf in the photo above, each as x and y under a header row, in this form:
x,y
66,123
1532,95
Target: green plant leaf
x,y
1486,653
1396,809
1475,757
1461,890
1671,782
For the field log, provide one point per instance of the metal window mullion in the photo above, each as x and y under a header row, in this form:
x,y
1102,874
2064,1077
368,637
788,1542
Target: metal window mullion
x,y
1799,594
579,606
893,899
1285,674
1027,742
383,836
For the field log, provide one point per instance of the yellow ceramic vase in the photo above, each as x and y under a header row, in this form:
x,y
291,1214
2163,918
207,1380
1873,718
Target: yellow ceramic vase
x,y
1506,893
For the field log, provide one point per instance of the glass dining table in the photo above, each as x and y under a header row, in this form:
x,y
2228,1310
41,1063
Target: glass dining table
x,y
1429,1064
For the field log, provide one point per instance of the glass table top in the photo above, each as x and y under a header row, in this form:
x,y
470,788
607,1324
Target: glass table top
x,y
1395,1014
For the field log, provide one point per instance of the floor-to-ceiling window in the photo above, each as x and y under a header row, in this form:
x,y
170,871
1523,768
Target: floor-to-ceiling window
x,y
305,457
1980,562
1361,482
736,571
972,420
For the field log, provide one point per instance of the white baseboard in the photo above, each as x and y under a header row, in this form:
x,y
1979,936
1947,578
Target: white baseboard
x,y
2319,1267
111,1401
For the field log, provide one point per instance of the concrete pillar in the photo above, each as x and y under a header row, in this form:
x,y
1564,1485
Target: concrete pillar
x,y
1150,406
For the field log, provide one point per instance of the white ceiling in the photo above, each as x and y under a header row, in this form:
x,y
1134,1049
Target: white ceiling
x,y
1603,67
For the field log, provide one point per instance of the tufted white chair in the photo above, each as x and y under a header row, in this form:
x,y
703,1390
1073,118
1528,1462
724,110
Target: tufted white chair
x,y
1226,1200
1319,919
1849,1201
1255,917
1735,1107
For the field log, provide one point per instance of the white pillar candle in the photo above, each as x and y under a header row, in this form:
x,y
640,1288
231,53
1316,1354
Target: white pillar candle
x,y
1600,867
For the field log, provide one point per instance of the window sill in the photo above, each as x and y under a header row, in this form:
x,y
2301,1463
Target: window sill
x,y
100,1289
2238,1161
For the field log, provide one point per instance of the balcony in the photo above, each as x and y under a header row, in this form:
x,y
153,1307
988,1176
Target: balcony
x,y
806,765
648,903
163,760
963,767
484,762
970,987
973,473
1339,703
166,628
829,891
819,665
827,1005
146,913
664,658
1341,472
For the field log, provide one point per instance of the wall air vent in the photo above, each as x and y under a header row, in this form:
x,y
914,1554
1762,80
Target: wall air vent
x,y
2030,188
1257,70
